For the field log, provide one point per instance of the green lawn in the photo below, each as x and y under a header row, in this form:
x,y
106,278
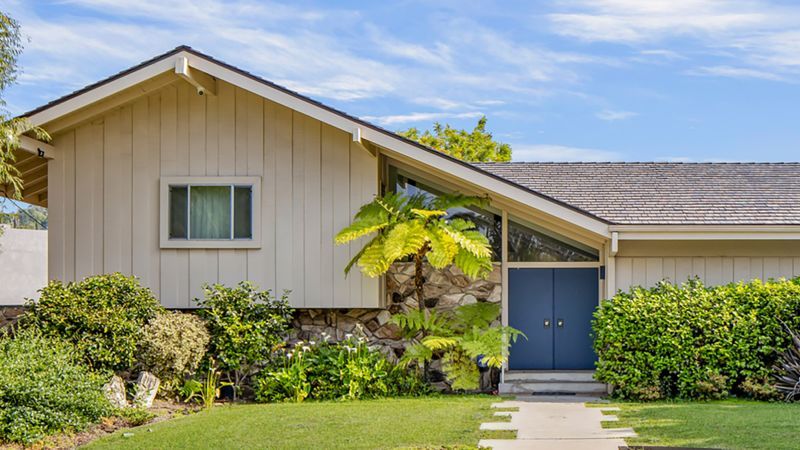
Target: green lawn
x,y
369,424
729,424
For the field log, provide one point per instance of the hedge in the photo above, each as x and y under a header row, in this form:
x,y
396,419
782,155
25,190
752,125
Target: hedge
x,y
694,341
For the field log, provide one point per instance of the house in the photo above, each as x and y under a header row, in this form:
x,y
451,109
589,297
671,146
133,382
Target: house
x,y
184,170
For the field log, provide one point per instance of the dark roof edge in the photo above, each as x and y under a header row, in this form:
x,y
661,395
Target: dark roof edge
x,y
304,98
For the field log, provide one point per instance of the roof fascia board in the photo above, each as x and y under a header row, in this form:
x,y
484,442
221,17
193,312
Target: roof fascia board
x,y
735,232
113,87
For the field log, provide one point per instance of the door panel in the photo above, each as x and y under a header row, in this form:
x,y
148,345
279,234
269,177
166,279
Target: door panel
x,y
530,303
575,293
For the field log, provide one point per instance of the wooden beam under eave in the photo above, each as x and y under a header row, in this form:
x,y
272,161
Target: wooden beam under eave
x,y
37,147
203,82
102,105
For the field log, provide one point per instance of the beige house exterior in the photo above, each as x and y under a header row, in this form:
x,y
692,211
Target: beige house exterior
x,y
185,119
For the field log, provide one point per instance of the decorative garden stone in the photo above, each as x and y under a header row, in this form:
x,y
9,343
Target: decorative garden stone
x,y
146,389
114,391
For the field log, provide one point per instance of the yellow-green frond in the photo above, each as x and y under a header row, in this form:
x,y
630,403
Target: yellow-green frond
x,y
405,239
470,240
437,343
473,266
357,229
427,213
443,249
372,262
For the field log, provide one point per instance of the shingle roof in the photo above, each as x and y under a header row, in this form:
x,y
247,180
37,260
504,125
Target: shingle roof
x,y
668,193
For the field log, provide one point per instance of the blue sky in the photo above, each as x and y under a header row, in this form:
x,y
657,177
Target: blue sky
x,y
582,80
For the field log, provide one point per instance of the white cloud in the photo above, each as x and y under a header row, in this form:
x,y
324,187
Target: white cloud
x,y
562,153
734,72
420,117
754,35
612,115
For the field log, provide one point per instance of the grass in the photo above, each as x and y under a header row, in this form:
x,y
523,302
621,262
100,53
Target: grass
x,y
442,421
728,424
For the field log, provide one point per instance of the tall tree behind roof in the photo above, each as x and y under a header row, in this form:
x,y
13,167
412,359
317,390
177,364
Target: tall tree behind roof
x,y
477,145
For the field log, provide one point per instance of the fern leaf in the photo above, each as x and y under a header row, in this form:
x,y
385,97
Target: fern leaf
x,y
428,213
479,315
470,240
372,262
361,227
438,343
443,249
416,353
404,239
473,266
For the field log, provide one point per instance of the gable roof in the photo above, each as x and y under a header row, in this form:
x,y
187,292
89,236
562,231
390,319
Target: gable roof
x,y
114,84
668,193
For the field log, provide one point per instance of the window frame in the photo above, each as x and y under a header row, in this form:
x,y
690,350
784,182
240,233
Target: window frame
x,y
255,185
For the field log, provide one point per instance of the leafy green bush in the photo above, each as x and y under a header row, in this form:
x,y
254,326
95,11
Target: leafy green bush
x,y
44,389
103,316
462,338
246,326
693,341
173,346
331,371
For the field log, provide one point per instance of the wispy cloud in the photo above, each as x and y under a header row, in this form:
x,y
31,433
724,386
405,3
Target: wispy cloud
x,y
420,117
610,115
562,153
758,37
734,72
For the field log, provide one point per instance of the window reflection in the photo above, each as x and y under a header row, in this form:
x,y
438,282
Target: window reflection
x,y
527,243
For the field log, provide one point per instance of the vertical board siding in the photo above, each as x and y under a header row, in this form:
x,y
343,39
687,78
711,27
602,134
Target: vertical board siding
x,y
105,196
647,271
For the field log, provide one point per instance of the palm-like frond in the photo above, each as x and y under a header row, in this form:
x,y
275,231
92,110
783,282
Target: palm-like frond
x,y
479,315
405,239
416,353
439,343
426,321
473,266
443,249
372,262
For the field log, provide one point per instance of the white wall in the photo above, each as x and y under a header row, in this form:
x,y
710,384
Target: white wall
x,y
645,263
23,260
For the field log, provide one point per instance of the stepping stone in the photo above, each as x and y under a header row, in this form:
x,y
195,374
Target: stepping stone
x,y
499,426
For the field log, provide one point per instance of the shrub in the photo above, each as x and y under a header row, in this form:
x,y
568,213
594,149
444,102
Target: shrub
x,y
173,346
103,316
787,371
693,341
462,338
335,371
44,389
246,326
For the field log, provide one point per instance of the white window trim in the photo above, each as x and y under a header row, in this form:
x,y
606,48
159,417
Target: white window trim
x,y
166,242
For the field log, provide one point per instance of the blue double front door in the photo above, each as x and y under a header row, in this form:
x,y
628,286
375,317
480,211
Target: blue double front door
x,y
553,307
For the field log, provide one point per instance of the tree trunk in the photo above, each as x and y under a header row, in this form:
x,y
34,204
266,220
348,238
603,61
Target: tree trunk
x,y
419,285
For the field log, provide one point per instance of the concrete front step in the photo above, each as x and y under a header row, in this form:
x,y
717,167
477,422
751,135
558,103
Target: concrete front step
x,y
553,387
586,376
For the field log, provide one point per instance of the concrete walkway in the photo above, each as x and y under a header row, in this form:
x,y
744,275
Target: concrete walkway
x,y
555,422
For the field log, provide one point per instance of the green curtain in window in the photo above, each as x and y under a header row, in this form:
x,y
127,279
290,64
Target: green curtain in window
x,y
210,212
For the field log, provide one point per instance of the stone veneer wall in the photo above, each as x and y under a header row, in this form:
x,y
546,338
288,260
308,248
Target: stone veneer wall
x,y
444,290
10,314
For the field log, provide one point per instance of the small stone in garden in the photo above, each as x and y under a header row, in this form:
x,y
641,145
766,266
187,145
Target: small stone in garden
x,y
146,390
115,392
127,435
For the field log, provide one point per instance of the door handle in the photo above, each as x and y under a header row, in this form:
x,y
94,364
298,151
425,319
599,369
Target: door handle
x,y
547,323
560,323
